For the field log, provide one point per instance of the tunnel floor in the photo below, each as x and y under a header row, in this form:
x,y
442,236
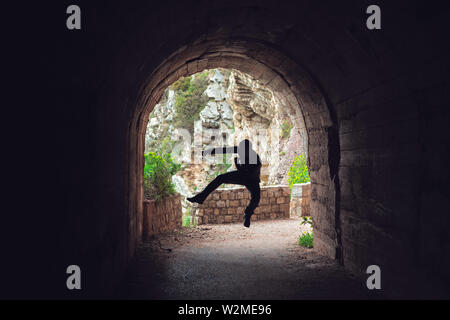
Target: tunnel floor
x,y
233,262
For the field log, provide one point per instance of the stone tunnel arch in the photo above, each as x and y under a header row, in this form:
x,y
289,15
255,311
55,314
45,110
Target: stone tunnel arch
x,y
389,89
290,83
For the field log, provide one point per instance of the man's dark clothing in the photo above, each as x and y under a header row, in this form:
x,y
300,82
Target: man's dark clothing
x,y
236,177
247,174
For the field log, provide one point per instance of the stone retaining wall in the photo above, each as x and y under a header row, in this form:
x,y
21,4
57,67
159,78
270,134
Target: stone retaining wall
x,y
162,216
300,200
227,205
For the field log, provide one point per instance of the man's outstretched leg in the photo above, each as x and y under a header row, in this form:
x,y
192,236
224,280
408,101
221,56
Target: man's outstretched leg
x,y
255,193
232,177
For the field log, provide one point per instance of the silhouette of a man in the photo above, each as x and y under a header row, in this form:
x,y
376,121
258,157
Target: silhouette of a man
x,y
248,165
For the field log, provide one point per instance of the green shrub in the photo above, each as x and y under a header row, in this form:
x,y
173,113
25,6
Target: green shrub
x,y
189,99
298,172
286,128
158,172
306,240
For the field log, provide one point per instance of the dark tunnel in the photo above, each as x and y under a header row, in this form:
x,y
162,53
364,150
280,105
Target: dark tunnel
x,y
374,104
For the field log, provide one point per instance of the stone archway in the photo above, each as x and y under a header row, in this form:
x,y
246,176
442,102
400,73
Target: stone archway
x,y
291,84
374,102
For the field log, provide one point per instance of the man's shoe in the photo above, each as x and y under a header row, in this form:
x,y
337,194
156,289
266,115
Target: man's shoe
x,y
196,199
247,220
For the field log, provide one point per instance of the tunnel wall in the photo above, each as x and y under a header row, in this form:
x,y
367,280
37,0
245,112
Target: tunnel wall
x,y
376,118
301,200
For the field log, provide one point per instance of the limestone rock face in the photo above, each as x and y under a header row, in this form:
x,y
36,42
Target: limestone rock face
x,y
160,122
217,113
210,115
216,88
250,100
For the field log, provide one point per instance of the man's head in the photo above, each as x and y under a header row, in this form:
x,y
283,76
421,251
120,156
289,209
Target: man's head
x,y
246,153
244,145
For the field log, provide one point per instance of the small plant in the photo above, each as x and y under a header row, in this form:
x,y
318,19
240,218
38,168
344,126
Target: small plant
x,y
298,172
306,240
286,128
306,220
282,153
188,220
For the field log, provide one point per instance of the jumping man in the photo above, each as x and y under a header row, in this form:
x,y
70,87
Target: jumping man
x,y
248,165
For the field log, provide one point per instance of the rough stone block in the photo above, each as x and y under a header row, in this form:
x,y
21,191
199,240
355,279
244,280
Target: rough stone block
x,y
221,204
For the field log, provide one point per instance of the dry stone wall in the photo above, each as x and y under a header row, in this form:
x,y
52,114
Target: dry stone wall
x,y
227,205
162,216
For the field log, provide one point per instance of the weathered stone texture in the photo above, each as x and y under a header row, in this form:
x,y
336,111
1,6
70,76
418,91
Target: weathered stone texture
x,y
161,216
300,200
274,204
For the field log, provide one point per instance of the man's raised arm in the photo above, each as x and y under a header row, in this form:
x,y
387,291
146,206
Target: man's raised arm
x,y
219,150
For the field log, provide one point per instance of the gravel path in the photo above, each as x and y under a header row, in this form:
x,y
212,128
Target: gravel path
x,y
233,262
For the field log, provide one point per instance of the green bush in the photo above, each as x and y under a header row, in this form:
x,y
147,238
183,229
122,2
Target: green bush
x,y
189,99
158,172
306,240
298,172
